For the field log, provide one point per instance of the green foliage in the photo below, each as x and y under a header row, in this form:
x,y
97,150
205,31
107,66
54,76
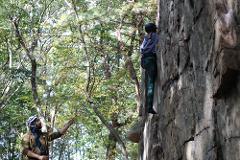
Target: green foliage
x,y
75,40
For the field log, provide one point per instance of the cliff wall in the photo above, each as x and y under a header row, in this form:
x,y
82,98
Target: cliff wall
x,y
197,91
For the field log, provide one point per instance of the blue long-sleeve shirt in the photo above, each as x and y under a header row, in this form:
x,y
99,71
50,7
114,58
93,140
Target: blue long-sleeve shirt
x,y
149,44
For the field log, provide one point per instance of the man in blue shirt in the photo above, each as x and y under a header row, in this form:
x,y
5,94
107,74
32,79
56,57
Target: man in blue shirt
x,y
148,62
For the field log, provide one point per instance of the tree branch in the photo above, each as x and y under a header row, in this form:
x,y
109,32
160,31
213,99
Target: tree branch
x,y
20,37
23,43
109,127
4,101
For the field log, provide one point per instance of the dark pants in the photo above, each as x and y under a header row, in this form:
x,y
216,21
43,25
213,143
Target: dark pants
x,y
150,66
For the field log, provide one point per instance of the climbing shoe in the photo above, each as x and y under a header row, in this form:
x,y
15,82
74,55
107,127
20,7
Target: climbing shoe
x,y
151,110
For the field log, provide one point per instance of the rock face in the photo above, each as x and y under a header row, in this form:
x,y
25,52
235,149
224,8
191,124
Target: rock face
x,y
197,93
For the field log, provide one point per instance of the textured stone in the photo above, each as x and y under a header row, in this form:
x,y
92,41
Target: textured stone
x,y
228,68
191,124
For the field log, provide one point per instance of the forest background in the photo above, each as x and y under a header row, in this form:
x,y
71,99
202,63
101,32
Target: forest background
x,y
72,57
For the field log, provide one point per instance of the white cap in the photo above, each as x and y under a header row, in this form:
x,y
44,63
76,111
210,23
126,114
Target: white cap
x,y
31,119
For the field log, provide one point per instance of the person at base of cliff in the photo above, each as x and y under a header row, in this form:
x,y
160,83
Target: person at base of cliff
x,y
35,143
148,62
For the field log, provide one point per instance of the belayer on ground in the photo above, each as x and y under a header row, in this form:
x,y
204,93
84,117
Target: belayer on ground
x,y
35,143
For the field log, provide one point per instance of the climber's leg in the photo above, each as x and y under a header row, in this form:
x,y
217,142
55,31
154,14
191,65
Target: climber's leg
x,y
151,71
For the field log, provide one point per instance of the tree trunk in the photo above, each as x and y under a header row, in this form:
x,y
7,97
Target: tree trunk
x,y
34,84
53,118
192,122
112,142
111,129
29,50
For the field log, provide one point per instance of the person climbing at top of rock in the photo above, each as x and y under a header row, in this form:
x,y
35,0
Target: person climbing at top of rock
x,y
148,62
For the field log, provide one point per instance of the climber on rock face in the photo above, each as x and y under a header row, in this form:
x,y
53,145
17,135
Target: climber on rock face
x,y
148,62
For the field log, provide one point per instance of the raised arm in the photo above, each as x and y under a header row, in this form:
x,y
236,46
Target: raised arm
x,y
62,131
66,126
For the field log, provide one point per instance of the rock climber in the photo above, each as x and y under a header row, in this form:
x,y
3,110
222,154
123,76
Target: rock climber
x,y
148,62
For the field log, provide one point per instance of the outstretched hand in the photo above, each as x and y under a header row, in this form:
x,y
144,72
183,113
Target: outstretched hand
x,y
67,125
43,158
71,121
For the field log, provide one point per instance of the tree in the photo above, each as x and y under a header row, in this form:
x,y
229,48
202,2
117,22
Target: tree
x,y
55,55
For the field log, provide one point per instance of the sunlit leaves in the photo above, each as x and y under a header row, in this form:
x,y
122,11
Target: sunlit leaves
x,y
72,37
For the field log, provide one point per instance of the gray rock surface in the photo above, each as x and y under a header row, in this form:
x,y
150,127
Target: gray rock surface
x,y
192,123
